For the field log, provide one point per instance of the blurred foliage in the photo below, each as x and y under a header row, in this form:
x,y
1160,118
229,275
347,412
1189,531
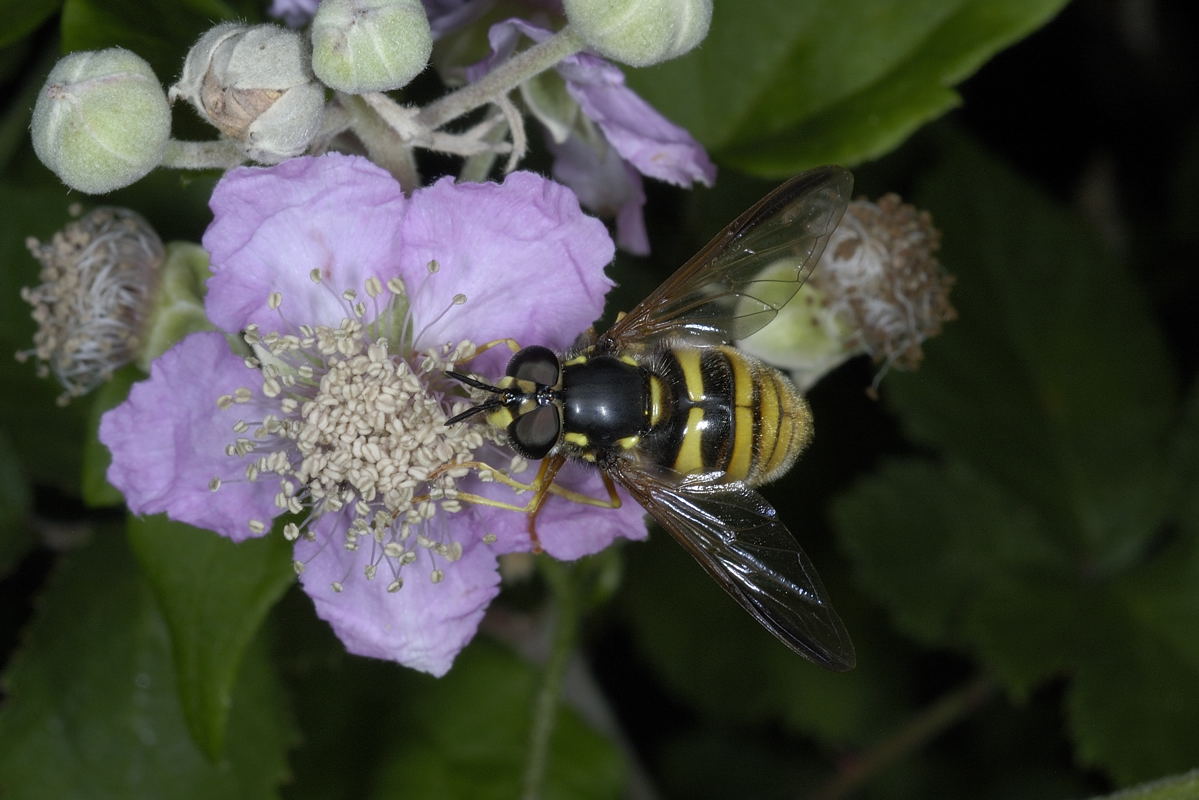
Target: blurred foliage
x,y
94,708
1010,535
832,82
213,595
1047,536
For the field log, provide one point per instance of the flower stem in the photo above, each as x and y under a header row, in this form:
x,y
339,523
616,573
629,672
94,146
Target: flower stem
x,y
218,154
502,79
915,733
562,580
377,134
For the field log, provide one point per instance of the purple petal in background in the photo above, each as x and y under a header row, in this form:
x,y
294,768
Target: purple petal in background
x,y
605,184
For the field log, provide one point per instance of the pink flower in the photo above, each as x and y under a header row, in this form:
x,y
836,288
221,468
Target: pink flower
x,y
345,301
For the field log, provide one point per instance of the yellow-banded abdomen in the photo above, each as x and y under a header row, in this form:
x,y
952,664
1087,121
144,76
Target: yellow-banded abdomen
x,y
715,409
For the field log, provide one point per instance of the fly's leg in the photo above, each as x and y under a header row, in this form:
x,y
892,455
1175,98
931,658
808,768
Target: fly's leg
x,y
541,486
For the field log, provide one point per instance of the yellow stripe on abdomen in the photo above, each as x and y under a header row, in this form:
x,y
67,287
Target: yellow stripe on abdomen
x,y
741,461
690,457
784,426
693,377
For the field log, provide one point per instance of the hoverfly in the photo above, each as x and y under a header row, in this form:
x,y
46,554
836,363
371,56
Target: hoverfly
x,y
664,404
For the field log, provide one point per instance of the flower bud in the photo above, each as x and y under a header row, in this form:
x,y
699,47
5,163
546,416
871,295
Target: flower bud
x,y
98,276
370,45
254,83
878,289
101,121
640,32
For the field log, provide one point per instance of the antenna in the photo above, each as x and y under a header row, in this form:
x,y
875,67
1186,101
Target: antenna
x,y
494,402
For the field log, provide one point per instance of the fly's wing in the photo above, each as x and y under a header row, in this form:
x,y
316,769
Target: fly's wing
x,y
720,293
736,536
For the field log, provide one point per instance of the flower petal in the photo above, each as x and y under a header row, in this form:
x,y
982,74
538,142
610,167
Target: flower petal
x,y
646,139
294,13
650,142
423,625
528,261
566,528
273,226
606,185
168,441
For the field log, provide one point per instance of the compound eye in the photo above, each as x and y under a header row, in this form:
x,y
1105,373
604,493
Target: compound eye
x,y
534,434
537,364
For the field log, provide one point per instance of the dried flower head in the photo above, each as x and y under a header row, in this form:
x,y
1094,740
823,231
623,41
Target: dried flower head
x,y
878,289
97,281
880,275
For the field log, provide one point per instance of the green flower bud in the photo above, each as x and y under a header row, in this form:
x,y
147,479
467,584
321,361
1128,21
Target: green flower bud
x,y
254,83
101,121
370,45
878,290
640,32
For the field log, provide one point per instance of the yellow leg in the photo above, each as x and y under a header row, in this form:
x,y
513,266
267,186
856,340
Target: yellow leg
x,y
612,501
510,343
541,486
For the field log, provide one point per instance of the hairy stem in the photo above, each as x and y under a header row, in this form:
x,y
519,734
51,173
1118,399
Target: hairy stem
x,y
501,80
218,154
561,579
914,734
377,134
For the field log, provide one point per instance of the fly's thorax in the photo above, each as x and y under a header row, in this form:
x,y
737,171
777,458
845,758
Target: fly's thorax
x,y
605,402
722,411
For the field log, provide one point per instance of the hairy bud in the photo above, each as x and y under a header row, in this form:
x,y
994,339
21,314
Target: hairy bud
x,y
640,32
255,84
101,121
370,45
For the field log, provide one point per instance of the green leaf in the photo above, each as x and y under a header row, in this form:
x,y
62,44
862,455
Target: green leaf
x,y
1039,541
96,24
779,86
93,708
959,562
466,736
676,612
1054,381
1135,706
22,17
15,535
214,595
1184,463
46,436
1177,787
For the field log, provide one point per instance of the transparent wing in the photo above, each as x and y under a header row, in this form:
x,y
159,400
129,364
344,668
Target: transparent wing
x,y
736,536
720,294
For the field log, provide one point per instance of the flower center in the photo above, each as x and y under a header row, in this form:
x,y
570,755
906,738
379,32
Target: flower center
x,y
355,430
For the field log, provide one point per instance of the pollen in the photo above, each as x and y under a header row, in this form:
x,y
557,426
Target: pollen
x,y
353,425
